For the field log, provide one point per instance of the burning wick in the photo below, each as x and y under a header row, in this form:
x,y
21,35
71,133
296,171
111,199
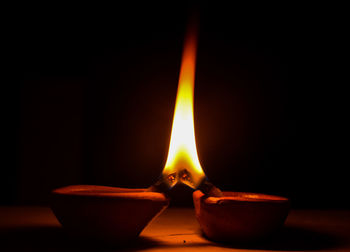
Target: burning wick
x,y
182,165
164,184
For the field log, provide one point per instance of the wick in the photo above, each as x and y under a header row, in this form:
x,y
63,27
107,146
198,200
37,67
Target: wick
x,y
209,189
172,178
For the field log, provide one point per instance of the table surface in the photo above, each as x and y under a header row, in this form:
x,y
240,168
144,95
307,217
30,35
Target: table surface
x,y
36,229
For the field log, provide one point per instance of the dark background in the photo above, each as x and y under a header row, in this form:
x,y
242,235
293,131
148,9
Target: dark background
x,y
91,95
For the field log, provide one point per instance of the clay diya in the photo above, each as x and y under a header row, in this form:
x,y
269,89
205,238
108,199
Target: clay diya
x,y
239,216
104,213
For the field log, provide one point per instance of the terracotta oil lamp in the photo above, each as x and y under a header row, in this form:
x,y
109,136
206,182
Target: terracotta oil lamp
x,y
119,214
104,213
222,215
239,216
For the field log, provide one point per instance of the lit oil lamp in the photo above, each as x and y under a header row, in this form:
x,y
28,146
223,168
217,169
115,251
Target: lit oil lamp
x,y
113,214
223,216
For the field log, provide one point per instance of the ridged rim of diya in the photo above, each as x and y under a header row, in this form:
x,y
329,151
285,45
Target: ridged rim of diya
x,y
246,197
109,192
102,213
240,216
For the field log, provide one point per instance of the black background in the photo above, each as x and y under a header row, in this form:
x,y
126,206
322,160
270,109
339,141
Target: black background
x,y
91,93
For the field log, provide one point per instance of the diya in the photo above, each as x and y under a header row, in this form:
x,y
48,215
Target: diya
x,y
120,214
108,214
239,216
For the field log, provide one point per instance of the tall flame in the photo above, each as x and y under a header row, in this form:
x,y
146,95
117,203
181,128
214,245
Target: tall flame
x,y
182,161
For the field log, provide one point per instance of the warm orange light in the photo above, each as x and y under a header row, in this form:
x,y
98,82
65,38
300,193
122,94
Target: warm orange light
x,y
182,161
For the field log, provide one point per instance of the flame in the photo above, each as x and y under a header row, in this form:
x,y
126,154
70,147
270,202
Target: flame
x,y
182,161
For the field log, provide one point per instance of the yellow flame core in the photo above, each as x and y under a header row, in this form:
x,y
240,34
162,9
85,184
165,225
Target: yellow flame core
x,y
182,155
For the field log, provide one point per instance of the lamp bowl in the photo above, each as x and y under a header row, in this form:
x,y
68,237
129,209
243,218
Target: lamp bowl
x,y
104,213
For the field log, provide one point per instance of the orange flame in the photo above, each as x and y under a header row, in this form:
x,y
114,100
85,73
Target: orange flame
x,y
182,161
